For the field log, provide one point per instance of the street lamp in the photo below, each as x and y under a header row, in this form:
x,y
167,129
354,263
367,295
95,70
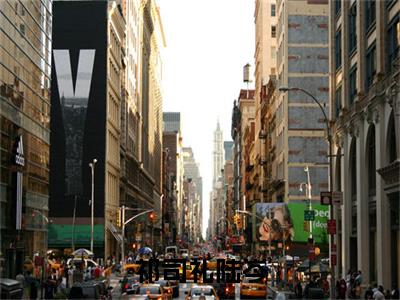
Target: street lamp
x,y
285,89
308,193
92,165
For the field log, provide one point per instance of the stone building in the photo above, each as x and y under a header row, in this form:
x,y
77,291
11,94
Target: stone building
x,y
365,101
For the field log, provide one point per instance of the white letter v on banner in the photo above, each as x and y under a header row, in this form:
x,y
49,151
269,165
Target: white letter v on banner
x,y
62,63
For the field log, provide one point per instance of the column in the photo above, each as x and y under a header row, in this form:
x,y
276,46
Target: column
x,y
382,208
346,207
362,205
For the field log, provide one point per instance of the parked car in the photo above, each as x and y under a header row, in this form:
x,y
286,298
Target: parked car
x,y
10,289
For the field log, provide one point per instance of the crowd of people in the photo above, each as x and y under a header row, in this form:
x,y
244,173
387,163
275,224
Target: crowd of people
x,y
351,287
58,277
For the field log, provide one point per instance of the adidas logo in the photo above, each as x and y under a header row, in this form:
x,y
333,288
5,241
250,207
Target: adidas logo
x,y
19,157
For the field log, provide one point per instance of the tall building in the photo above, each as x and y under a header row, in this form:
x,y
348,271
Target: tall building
x,y
86,123
265,18
152,39
218,154
172,142
25,130
228,150
302,61
365,99
217,203
192,169
172,121
192,175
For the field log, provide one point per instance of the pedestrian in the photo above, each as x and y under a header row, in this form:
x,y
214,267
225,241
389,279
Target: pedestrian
x,y
34,285
378,293
298,290
395,293
48,288
368,293
342,289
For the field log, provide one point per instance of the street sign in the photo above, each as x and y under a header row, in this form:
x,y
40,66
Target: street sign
x,y
309,215
326,198
331,226
337,198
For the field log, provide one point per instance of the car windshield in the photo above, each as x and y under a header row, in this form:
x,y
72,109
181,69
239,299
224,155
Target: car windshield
x,y
201,292
149,290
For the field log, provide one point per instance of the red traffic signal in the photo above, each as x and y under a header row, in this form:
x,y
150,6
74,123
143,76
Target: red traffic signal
x,y
152,217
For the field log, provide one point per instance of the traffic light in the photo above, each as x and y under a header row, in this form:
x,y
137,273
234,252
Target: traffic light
x,y
119,219
239,223
152,217
235,219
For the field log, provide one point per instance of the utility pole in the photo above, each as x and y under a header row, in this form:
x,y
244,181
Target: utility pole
x,y
123,234
92,165
73,225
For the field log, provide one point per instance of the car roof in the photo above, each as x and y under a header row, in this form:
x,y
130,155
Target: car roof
x,y
150,284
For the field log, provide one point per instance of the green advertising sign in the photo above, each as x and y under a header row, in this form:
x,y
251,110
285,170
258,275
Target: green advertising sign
x,y
321,214
275,221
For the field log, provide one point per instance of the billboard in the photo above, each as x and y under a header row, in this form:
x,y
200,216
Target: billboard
x,y
276,221
78,107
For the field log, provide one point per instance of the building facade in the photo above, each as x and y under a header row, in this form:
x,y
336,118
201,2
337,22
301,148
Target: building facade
x,y
25,131
365,101
172,142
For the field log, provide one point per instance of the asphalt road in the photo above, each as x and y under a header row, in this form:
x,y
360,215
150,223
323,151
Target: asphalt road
x,y
116,292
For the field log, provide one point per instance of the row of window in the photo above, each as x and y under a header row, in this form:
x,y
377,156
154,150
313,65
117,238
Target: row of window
x,y
392,50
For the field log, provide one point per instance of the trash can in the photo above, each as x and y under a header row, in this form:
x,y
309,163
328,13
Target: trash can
x,y
10,289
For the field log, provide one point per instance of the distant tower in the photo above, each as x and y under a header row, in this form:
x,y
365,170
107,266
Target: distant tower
x,y
218,154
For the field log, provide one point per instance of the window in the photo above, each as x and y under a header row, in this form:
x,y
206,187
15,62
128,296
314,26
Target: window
x,y
273,10
352,85
371,161
352,28
371,66
273,52
370,11
338,101
273,31
338,49
392,43
22,29
338,6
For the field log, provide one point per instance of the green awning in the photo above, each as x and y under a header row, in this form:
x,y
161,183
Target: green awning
x,y
61,235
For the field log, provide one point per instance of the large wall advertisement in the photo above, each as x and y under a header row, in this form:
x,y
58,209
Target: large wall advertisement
x,y
278,221
78,110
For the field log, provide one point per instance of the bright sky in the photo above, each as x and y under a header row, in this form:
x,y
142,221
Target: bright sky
x,y
208,43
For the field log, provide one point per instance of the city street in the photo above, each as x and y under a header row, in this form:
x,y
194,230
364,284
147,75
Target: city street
x,y
200,138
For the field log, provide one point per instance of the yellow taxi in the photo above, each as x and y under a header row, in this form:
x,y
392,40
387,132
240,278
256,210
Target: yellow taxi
x,y
132,268
253,287
201,292
152,291
189,271
56,266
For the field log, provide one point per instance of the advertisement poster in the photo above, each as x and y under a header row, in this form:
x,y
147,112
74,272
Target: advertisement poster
x,y
280,221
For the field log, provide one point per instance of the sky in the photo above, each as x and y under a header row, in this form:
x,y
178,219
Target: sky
x,y
207,44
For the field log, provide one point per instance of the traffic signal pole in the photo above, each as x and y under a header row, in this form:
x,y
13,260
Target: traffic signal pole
x,y
123,223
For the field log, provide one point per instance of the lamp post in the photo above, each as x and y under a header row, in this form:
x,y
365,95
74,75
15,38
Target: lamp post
x,y
92,166
331,211
308,193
